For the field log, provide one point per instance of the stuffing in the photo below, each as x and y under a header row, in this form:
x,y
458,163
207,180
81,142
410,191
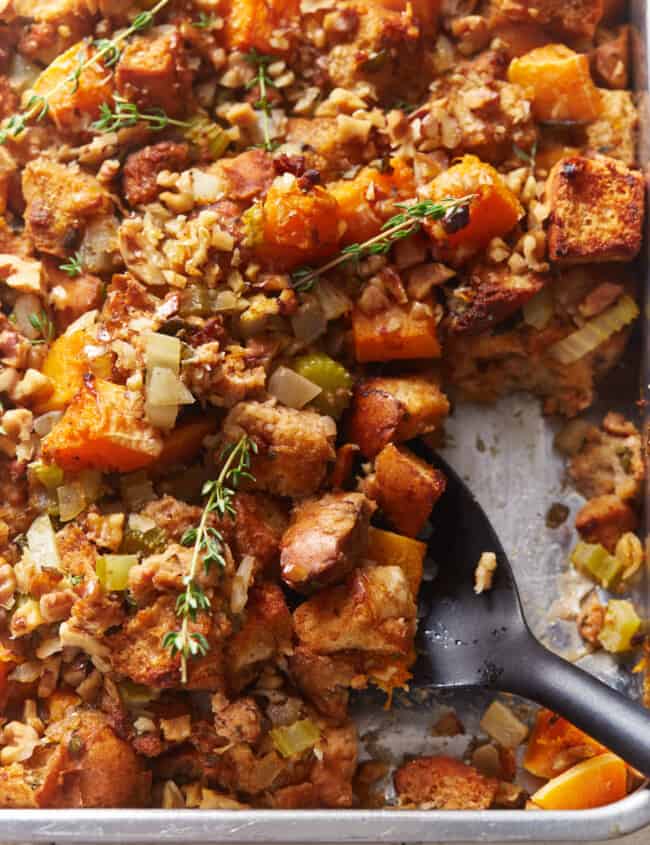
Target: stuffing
x,y
395,409
372,611
61,202
141,168
604,520
442,783
294,447
326,539
484,573
571,17
615,132
597,210
611,59
405,488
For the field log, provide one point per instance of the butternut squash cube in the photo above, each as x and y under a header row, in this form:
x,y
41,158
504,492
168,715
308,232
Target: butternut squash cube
x,y
559,83
394,334
592,783
262,25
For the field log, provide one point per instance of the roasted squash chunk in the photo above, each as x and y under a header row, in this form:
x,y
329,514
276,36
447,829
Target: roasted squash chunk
x,y
555,744
592,783
388,549
65,366
263,25
494,210
74,110
560,84
298,226
103,429
395,333
597,207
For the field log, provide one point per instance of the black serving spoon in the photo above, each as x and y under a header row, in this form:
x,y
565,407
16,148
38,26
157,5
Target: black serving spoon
x,y
469,640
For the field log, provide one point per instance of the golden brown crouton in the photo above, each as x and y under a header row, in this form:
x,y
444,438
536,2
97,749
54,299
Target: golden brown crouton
x,y
572,17
604,520
490,295
265,634
610,60
395,409
61,201
325,541
372,611
325,679
615,132
405,488
443,783
153,72
294,447
610,461
597,208
91,767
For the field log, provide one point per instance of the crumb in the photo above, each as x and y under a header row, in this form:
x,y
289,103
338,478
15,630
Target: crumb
x,y
484,573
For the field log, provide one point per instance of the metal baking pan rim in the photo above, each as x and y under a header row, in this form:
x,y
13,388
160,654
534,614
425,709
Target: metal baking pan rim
x,y
322,826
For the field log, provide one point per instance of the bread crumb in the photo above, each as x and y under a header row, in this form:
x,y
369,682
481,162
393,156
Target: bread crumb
x,y
484,573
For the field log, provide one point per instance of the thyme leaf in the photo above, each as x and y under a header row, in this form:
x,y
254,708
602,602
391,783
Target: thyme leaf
x,y
263,81
44,326
74,266
125,114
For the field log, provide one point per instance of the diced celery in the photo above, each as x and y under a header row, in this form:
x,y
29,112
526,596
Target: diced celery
x,y
143,542
594,560
49,475
333,379
620,627
207,135
253,222
135,695
113,571
296,738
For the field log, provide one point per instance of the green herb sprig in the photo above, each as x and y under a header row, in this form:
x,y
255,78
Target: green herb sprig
x,y
208,548
73,266
529,158
402,225
204,21
108,53
125,114
44,326
262,79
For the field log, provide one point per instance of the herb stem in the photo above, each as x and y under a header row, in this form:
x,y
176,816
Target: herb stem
x,y
264,82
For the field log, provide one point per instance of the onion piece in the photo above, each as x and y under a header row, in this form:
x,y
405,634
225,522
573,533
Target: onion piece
x,y
71,501
293,739
292,389
332,300
164,388
137,489
161,350
86,321
26,305
594,333
309,323
161,416
41,542
45,423
241,584
538,311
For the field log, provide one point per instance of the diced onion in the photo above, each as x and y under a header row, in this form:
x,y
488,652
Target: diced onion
x,y
44,424
137,489
86,321
41,542
71,501
241,583
538,311
91,484
26,306
26,673
161,416
113,571
161,350
165,389
48,647
309,323
595,332
137,522
292,389
332,300
500,723
296,738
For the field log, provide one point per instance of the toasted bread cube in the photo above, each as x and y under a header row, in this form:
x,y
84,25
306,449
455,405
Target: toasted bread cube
x,y
604,520
611,60
61,201
615,132
572,17
326,540
405,488
597,208
444,784
559,83
492,295
374,610
395,409
153,72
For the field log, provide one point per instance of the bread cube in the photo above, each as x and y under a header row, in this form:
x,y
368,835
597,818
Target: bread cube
x,y
597,207
572,17
615,132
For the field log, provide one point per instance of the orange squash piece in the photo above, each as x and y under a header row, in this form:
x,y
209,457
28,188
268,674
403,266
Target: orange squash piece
x,y
551,739
592,783
184,443
65,366
560,84
389,549
394,334
298,227
360,199
493,212
72,108
260,24
103,428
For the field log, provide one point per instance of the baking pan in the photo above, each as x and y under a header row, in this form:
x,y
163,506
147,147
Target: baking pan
x,y
506,453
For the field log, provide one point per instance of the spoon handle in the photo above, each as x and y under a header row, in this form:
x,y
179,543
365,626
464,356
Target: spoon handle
x,y
606,715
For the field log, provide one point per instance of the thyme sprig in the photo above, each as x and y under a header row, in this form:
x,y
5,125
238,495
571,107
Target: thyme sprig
x,y
208,548
262,79
402,225
107,52
125,114
73,266
44,326
204,21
